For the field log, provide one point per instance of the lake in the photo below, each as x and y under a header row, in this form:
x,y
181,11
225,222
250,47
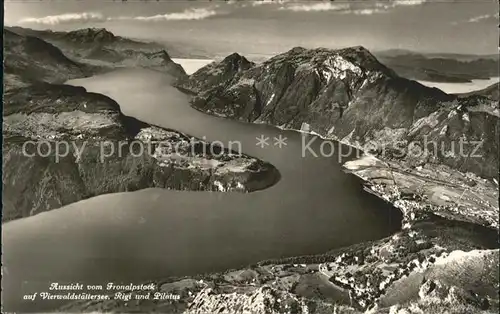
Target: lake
x,y
458,88
192,65
156,233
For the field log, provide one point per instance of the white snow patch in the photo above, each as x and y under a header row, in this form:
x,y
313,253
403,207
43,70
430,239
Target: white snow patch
x,y
431,121
327,75
337,63
443,130
245,81
270,99
452,114
338,67
220,186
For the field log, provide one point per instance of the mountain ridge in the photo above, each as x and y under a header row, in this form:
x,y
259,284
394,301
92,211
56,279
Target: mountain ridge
x,y
51,65
441,67
101,49
349,95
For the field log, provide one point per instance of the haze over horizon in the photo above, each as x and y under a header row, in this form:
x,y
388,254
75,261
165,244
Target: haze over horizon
x,y
216,28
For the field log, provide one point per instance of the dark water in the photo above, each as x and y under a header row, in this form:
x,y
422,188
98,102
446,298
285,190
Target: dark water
x,y
155,233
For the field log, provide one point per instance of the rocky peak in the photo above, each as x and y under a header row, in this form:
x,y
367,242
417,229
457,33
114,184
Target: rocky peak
x,y
236,62
364,58
91,35
162,54
297,49
357,60
159,60
216,73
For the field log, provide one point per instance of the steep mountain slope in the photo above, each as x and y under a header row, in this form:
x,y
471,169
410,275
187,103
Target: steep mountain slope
x,y
30,59
216,73
349,95
102,48
62,144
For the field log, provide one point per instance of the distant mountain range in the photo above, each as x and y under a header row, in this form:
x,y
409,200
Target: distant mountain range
x,y
97,44
432,67
441,67
445,55
31,59
349,95
100,48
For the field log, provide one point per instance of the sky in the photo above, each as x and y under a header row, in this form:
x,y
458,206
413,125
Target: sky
x,y
255,28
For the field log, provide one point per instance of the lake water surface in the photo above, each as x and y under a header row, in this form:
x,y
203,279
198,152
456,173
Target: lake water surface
x,y
192,65
458,88
156,233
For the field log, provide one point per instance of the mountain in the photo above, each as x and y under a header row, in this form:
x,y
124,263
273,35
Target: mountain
x,y
62,144
349,95
177,49
452,68
91,36
444,55
84,37
29,58
216,73
101,48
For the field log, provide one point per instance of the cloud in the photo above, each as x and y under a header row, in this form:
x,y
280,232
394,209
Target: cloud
x,y
93,17
316,7
190,14
84,17
408,2
262,2
398,3
482,18
357,8
366,11
477,19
